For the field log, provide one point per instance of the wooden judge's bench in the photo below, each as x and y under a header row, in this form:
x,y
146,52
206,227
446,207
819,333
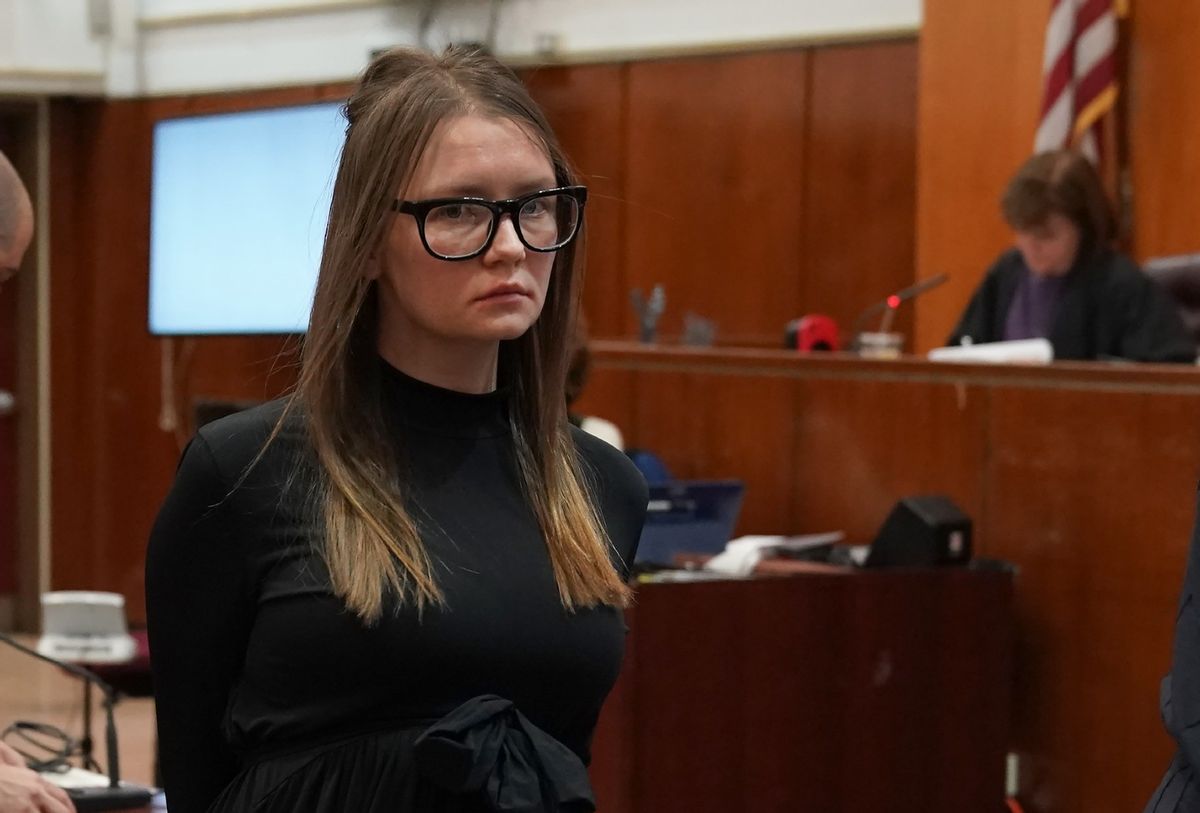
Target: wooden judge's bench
x,y
824,692
1081,475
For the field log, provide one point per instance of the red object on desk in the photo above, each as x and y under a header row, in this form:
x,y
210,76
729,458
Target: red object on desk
x,y
817,332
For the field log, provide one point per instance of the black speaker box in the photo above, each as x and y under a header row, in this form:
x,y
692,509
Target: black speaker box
x,y
922,531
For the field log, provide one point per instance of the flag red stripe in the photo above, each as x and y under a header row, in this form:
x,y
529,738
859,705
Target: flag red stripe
x,y
1059,77
1088,12
1103,74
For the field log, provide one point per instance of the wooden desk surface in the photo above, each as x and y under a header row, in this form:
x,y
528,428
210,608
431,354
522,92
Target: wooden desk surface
x,y
1083,475
836,692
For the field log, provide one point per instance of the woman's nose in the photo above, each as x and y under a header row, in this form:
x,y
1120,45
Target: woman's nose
x,y
506,245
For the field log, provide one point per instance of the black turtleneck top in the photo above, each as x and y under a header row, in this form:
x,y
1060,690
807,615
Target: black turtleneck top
x,y
254,657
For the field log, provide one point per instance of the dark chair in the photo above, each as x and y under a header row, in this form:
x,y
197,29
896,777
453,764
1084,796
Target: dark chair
x,y
131,678
1180,276
651,466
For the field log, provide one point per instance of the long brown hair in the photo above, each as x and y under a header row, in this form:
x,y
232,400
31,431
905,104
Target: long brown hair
x,y
371,545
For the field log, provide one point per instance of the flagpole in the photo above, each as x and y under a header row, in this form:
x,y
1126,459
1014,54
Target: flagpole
x,y
1116,134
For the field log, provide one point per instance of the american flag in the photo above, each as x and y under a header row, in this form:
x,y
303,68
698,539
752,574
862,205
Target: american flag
x,y
1079,74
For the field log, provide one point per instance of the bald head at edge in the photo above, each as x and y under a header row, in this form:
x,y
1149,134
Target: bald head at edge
x,y
16,216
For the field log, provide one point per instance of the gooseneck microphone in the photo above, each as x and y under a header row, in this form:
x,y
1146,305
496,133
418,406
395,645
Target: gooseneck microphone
x,y
100,798
889,305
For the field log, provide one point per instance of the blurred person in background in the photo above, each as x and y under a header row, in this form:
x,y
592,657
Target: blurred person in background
x,y
1064,282
21,790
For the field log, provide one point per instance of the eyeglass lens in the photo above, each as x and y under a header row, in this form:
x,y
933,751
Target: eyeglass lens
x,y
459,229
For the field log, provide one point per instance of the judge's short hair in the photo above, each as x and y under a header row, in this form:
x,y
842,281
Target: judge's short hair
x,y
1060,182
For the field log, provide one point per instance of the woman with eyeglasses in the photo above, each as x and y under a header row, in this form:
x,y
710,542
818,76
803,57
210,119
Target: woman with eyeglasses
x,y
400,588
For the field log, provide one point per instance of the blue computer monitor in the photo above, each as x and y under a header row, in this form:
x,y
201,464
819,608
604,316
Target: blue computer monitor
x,y
689,516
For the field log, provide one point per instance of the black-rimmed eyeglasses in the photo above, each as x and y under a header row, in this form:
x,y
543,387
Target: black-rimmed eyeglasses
x,y
464,227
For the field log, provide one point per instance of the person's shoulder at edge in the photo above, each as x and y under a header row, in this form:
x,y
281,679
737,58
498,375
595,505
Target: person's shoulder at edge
x,y
612,467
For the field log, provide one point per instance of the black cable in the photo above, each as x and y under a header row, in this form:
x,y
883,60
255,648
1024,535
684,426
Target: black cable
x,y
43,747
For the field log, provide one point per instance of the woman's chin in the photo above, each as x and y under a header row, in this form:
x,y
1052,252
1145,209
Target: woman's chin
x,y
505,330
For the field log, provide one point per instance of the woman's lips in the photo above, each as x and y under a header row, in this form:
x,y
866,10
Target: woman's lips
x,y
505,292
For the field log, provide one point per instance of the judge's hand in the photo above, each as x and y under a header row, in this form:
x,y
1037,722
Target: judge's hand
x,y
23,791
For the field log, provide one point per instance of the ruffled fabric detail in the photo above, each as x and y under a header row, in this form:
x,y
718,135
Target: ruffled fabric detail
x,y
487,746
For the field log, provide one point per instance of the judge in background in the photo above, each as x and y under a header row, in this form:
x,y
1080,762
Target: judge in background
x,y
1063,281
21,789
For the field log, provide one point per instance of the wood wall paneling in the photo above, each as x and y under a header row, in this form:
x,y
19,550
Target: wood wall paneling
x,y
863,444
1163,105
78,144
112,463
610,394
799,685
703,426
714,189
175,106
126,399
1081,475
978,100
1099,517
679,705
860,180
586,106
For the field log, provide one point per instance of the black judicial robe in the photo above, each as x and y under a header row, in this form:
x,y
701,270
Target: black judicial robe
x,y
1109,310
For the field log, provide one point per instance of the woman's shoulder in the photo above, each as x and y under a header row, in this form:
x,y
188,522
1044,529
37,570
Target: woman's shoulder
x,y
610,471
234,441
619,491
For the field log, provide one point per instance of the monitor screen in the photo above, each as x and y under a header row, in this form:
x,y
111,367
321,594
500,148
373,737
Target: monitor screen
x,y
239,203
689,516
